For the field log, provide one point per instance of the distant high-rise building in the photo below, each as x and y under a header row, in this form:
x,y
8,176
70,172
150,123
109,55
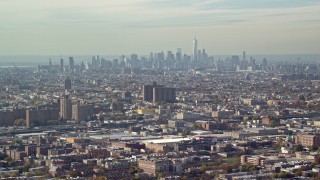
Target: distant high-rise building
x,y
39,117
134,61
81,112
115,63
179,55
66,107
61,65
265,62
71,64
147,91
235,60
252,61
164,94
50,66
67,84
93,62
158,93
103,63
151,56
195,49
82,66
98,62
244,56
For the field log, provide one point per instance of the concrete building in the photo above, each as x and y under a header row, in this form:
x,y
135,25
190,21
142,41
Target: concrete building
x,y
61,65
71,64
40,117
81,112
176,123
249,132
222,114
67,84
188,115
66,107
164,94
251,160
147,91
160,165
8,117
158,93
157,147
307,139
270,121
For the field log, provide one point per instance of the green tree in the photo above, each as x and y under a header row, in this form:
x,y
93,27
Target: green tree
x,y
298,172
13,175
285,175
101,178
75,173
227,169
8,159
312,148
39,173
17,141
26,167
272,123
20,122
317,160
204,167
298,147
159,175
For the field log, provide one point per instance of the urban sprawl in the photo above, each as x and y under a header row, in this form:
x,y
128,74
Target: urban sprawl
x,y
166,116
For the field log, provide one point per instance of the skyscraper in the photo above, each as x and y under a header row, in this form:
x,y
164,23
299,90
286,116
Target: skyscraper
x,y
244,56
81,111
67,83
61,65
71,64
164,94
195,49
65,107
147,91
158,93
50,65
179,55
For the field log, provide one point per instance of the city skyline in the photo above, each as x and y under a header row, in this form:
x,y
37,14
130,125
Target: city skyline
x,y
141,26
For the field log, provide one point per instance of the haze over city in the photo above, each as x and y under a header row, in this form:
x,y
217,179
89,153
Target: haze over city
x,y
81,27
159,89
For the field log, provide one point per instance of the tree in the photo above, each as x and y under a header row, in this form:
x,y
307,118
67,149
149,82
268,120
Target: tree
x,y
204,167
317,160
8,159
312,148
75,173
39,173
13,175
159,174
298,172
299,147
272,123
285,175
184,178
101,178
20,122
17,141
227,169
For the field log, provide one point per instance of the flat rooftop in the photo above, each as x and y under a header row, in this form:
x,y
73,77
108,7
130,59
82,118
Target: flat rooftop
x,y
30,134
163,141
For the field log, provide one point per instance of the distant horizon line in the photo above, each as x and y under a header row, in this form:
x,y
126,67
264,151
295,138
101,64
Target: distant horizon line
x,y
71,55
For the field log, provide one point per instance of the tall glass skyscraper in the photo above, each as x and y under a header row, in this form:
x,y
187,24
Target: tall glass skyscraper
x,y
195,49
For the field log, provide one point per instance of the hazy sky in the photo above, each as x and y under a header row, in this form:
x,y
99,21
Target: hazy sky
x,y
78,27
